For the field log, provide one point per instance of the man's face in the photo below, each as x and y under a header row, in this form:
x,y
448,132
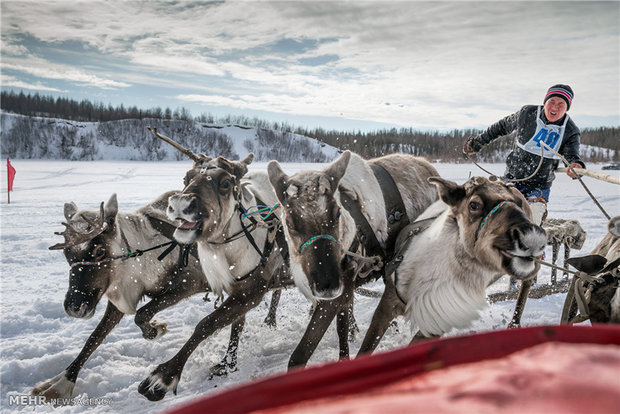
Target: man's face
x,y
555,108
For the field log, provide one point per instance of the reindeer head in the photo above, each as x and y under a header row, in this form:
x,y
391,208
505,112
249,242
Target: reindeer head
x,y
207,203
88,238
313,224
495,226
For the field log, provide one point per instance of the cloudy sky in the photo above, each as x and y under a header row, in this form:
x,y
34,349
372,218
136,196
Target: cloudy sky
x,y
344,65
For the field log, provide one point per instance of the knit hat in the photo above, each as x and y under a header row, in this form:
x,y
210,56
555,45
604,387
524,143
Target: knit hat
x,y
561,91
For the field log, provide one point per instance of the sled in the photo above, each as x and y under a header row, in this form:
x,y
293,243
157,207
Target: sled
x,y
512,371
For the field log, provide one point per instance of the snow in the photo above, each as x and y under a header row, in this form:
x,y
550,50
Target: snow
x,y
39,340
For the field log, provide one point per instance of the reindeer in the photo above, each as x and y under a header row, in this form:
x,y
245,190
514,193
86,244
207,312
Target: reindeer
x,y
473,235
323,211
100,246
594,290
242,255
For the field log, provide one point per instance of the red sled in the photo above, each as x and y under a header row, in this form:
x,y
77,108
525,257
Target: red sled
x,y
551,369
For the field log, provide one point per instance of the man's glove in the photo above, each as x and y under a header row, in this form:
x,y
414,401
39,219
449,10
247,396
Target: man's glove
x,y
570,173
471,146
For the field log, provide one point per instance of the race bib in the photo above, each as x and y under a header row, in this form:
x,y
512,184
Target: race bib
x,y
551,135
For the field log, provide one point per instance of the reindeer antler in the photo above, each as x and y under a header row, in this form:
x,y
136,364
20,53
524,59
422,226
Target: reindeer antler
x,y
73,237
176,145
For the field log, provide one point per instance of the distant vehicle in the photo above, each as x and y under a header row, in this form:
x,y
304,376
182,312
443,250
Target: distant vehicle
x,y
612,166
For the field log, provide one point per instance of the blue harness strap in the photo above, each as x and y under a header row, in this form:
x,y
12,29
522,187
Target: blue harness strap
x,y
488,216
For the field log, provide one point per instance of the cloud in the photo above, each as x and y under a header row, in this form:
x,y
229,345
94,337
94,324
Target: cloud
x,y
435,61
11,81
47,70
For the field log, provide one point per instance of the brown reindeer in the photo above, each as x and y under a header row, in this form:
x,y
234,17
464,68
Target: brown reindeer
x,y
242,255
337,218
476,233
100,247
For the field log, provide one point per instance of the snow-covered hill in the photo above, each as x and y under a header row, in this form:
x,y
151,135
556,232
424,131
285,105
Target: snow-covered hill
x,y
28,137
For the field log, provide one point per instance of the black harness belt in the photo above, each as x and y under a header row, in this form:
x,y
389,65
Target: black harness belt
x,y
402,244
394,206
167,230
395,212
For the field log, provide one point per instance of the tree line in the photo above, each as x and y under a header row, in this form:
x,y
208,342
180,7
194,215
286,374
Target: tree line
x,y
434,145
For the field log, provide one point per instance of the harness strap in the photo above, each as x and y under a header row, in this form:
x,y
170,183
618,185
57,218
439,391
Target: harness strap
x,y
274,225
365,233
488,216
167,230
248,233
401,245
394,205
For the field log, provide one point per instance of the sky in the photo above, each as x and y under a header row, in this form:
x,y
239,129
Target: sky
x,y
360,65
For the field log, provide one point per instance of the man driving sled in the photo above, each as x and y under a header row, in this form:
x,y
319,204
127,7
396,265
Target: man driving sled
x,y
548,123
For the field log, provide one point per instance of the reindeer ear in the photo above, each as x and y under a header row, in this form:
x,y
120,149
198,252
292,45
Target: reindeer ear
x,y
236,168
70,210
449,192
110,209
248,160
278,179
337,169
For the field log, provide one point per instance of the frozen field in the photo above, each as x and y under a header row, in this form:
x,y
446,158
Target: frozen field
x,y
39,340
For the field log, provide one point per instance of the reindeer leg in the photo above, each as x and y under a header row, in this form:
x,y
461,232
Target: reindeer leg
x,y
323,314
151,329
566,257
353,328
61,386
389,307
520,304
270,320
554,258
166,376
229,362
342,328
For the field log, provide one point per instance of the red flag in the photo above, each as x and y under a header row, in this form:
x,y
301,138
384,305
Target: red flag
x,y
10,174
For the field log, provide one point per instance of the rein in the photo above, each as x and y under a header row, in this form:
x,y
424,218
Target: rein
x,y
136,253
512,180
565,161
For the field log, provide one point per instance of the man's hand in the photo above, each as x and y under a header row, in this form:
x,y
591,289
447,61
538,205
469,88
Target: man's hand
x,y
471,146
570,173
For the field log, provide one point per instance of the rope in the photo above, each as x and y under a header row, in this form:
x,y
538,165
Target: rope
x,y
554,266
512,180
261,209
579,178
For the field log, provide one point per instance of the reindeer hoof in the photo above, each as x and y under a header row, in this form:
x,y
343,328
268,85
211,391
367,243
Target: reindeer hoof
x,y
55,388
270,321
513,326
155,330
222,369
154,388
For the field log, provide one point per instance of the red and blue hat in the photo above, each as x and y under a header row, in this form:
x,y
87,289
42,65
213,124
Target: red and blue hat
x,y
561,91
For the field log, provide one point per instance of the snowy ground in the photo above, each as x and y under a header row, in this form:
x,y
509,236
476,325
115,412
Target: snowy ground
x,y
39,340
